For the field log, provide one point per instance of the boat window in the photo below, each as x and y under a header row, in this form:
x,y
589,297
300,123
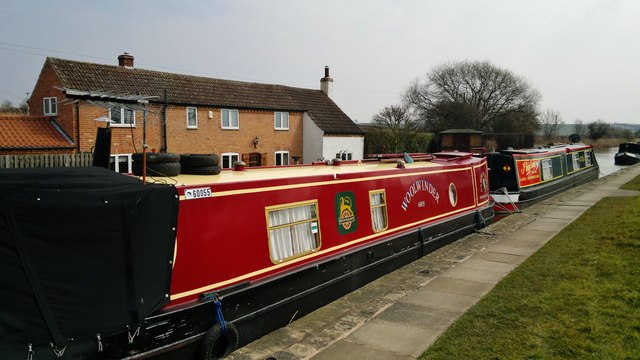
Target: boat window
x,y
378,203
293,230
547,169
587,158
574,160
453,195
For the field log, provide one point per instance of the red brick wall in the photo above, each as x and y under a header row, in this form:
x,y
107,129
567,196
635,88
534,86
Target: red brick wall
x,y
208,138
47,86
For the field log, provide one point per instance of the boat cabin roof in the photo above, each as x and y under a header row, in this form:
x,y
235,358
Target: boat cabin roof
x,y
321,169
545,149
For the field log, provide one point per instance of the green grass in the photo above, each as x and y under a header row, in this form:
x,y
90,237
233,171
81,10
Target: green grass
x,y
632,185
578,297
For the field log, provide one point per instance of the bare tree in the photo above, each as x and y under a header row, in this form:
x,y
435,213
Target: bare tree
x,y
598,129
399,120
468,94
550,122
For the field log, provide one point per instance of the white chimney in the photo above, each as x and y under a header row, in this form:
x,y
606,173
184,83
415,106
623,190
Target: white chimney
x,y
326,83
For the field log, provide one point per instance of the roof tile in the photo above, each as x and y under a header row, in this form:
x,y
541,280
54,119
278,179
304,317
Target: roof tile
x,y
30,133
204,91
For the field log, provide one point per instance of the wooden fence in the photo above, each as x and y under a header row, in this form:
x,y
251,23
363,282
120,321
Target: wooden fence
x,y
45,160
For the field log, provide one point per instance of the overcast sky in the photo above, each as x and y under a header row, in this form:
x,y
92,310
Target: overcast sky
x,y
582,55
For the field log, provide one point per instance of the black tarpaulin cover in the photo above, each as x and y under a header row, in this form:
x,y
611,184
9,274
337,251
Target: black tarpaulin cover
x,y
82,251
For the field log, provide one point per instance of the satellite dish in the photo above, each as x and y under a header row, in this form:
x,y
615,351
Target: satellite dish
x,y
574,138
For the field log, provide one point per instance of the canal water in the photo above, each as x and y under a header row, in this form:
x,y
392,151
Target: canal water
x,y
605,160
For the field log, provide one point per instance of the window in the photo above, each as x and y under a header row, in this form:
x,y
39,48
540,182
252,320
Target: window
x,y
228,159
230,119
574,161
547,169
50,106
293,230
122,116
281,120
344,155
121,163
378,203
192,118
587,158
282,158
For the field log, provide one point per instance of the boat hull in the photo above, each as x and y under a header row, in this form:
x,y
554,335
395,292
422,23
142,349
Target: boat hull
x,y
626,158
257,309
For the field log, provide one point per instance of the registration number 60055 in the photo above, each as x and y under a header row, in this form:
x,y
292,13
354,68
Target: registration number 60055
x,y
197,193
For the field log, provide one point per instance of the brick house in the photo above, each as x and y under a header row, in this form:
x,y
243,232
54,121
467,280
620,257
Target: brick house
x,y
262,124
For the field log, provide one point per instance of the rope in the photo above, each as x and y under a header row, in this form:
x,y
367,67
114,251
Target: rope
x,y
220,317
135,333
59,352
100,349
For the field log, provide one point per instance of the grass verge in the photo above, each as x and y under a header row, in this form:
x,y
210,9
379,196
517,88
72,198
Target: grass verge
x,y
577,297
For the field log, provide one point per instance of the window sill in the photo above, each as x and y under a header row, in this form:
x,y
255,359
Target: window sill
x,y
123,125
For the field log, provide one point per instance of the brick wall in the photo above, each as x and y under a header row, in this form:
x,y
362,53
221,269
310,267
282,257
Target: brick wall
x,y
47,86
207,138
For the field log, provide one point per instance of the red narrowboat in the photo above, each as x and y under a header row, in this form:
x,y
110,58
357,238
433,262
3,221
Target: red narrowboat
x,y
520,178
101,266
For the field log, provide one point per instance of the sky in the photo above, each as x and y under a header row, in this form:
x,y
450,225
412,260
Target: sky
x,y
583,56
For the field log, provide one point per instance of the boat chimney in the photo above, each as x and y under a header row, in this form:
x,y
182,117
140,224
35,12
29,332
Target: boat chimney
x,y
326,83
125,60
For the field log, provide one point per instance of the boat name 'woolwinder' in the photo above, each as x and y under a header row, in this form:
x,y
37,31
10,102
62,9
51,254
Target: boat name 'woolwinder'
x,y
420,185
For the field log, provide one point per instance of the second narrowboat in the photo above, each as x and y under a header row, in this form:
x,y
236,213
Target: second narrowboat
x,y
520,178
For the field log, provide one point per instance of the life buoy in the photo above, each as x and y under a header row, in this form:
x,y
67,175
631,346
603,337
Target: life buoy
x,y
216,344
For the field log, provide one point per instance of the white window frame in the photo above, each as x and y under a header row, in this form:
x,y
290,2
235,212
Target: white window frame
x,y
587,158
115,159
378,211
230,126
195,111
231,161
281,156
50,106
122,113
344,155
547,169
282,117
293,230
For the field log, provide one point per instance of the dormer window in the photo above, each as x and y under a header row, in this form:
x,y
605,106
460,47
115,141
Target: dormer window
x,y
50,106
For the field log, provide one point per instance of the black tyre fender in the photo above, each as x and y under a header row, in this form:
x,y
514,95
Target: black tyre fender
x,y
194,160
154,157
216,345
201,170
157,169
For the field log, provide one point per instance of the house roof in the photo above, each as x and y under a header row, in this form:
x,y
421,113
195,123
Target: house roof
x,y
461,131
23,132
203,91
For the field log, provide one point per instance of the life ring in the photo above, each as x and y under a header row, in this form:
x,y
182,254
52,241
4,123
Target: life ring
x,y
217,345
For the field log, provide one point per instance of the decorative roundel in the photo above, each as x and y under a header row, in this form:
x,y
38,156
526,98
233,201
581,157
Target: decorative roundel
x,y
453,195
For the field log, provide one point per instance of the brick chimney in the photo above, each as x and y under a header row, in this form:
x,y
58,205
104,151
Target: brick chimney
x,y
326,83
125,60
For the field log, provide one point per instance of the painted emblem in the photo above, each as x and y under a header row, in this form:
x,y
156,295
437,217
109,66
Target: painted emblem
x,y
345,203
506,168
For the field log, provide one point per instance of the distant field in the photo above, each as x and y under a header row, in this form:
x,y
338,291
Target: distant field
x,y
578,297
